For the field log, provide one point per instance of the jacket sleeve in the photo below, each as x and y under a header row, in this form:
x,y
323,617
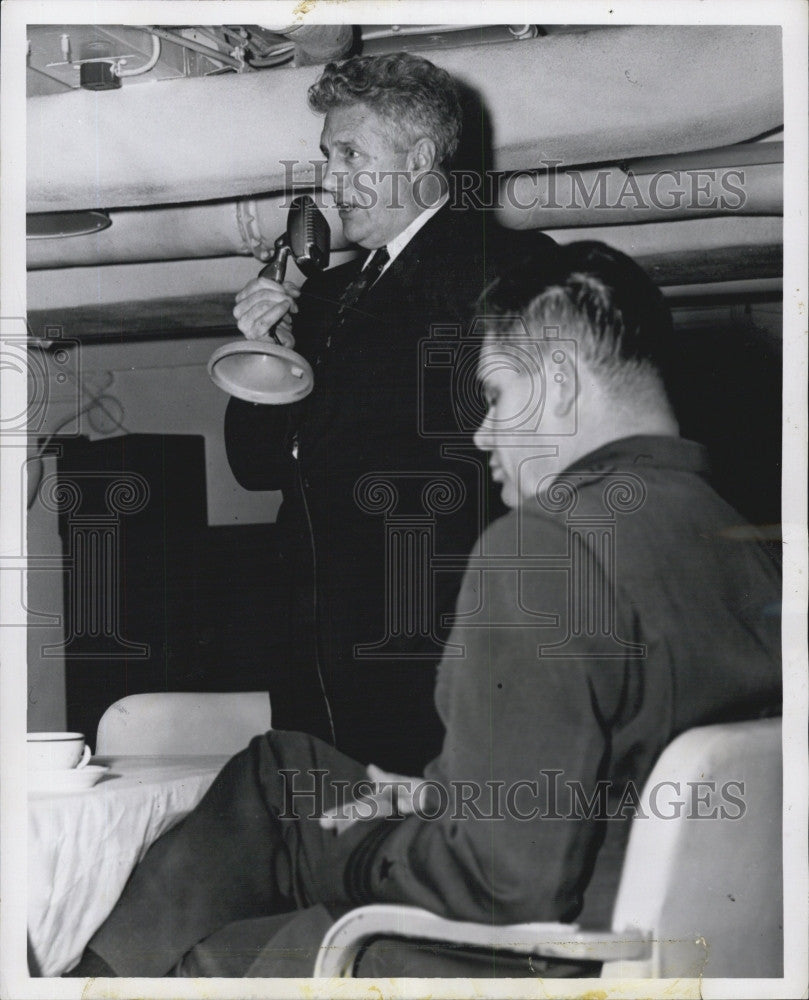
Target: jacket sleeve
x,y
257,445
507,844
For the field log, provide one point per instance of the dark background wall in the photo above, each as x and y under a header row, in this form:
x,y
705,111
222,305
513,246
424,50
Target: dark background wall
x,y
207,602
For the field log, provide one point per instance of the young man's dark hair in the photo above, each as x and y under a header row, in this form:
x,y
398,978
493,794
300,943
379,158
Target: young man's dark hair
x,y
602,298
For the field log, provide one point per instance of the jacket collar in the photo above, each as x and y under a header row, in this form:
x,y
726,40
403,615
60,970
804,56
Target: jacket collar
x,y
645,451
447,231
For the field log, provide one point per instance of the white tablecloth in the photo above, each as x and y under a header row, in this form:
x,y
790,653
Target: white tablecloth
x,y
83,845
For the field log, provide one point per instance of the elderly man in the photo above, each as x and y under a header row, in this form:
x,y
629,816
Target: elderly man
x,y
616,605
361,663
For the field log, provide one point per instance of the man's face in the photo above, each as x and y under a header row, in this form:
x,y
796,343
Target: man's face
x,y
366,175
519,405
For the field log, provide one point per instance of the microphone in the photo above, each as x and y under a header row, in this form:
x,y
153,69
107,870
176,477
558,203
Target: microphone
x,y
307,238
264,371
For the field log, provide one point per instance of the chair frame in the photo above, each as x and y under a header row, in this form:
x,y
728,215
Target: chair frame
x,y
347,938
627,950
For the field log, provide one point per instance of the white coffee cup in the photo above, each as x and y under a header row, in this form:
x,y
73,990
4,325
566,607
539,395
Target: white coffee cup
x,y
57,751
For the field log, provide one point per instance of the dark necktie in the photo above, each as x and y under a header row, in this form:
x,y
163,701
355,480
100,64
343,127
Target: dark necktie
x,y
360,285
354,291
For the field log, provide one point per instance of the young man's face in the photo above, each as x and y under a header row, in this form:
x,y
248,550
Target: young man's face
x,y
366,175
518,429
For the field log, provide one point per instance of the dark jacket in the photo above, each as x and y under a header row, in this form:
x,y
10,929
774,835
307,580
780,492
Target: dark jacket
x,y
541,688
382,407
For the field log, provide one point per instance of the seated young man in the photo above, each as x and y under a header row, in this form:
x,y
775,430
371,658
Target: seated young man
x,y
612,608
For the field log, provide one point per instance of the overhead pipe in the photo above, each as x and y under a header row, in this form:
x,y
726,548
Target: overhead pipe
x,y
654,239
637,91
711,291
163,233
521,32
568,200
174,232
85,288
316,43
608,196
531,201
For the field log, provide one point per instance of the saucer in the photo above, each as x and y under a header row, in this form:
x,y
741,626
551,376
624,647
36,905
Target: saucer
x,y
75,779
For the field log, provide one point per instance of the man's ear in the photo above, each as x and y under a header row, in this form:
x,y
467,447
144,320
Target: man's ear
x,y
422,155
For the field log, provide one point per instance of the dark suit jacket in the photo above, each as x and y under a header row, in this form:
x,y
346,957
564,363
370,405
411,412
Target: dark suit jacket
x,y
382,406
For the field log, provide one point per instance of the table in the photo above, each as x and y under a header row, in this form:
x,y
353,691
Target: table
x,y
83,845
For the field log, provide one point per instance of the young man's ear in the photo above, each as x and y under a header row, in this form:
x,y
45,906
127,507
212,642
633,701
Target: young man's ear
x,y
567,386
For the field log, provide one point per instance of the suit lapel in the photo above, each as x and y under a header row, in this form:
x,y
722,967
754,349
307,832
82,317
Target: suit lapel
x,y
393,313
405,269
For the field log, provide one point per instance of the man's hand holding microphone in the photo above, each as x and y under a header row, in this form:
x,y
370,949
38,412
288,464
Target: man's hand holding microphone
x,y
262,304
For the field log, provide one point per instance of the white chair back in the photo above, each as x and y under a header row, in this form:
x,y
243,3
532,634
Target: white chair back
x,y
708,888
178,722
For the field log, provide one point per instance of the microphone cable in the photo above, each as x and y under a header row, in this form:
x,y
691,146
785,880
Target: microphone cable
x,y
315,603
